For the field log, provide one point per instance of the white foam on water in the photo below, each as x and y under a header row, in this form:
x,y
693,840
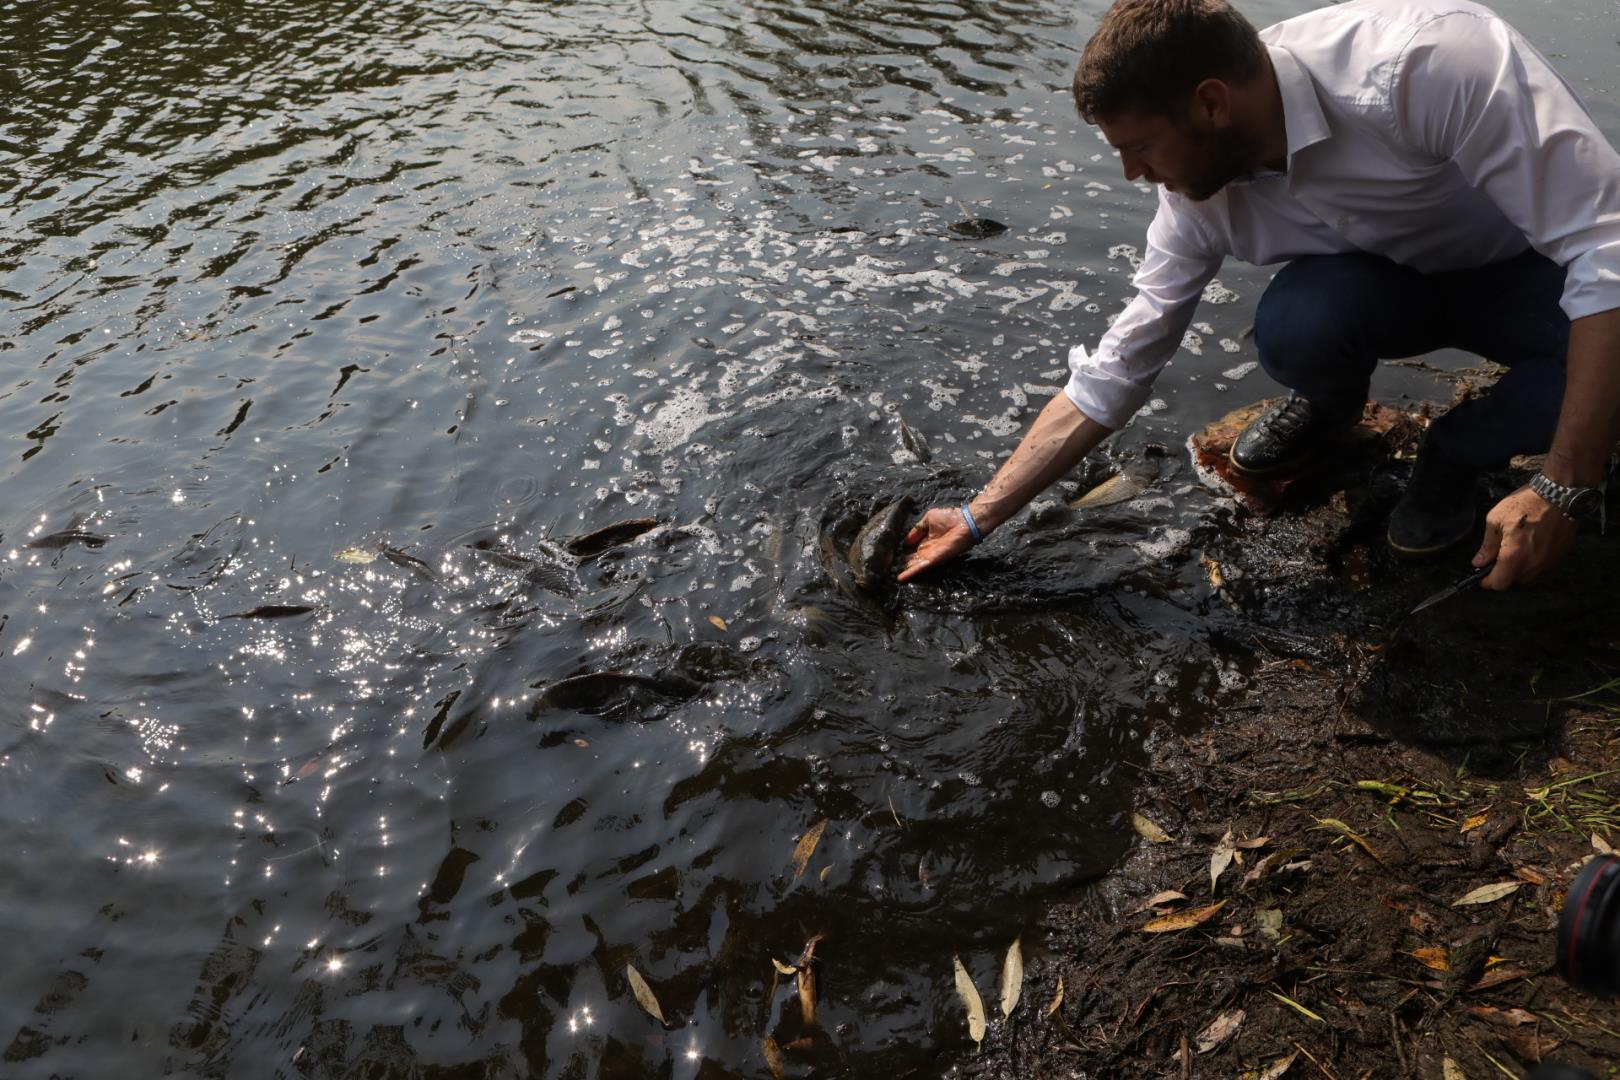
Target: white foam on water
x,y
1203,328
677,420
1170,542
1241,370
1066,299
1228,345
1192,343
1216,293
530,336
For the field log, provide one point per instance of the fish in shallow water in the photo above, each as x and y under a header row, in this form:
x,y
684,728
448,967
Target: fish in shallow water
x,y
872,554
977,228
69,536
911,442
1123,486
620,532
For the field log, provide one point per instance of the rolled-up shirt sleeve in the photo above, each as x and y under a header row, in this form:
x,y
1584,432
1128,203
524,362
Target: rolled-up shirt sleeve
x,y
1471,90
1112,382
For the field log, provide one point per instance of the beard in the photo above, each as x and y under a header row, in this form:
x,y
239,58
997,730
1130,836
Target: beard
x,y
1223,156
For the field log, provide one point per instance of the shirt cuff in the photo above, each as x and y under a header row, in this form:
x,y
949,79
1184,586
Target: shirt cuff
x,y
1107,397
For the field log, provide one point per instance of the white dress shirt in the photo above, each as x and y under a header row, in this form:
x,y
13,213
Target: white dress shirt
x,y
1426,131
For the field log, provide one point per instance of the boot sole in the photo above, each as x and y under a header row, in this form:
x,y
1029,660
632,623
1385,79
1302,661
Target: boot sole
x,y
1430,549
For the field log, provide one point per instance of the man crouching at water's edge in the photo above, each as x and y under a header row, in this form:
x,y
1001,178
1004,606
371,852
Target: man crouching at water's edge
x,y
1430,181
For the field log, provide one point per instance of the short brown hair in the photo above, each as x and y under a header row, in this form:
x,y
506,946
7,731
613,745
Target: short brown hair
x,y
1150,54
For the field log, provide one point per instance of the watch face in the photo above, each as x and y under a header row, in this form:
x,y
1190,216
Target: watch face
x,y
1585,503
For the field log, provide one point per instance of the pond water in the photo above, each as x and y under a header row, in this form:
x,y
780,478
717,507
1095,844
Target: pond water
x,y
328,326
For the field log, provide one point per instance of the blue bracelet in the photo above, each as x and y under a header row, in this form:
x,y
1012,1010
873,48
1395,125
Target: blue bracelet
x,y
973,526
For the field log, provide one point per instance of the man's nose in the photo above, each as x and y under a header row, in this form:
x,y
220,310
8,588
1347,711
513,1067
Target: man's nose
x,y
1133,167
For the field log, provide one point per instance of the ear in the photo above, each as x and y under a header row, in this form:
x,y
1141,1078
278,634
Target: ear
x,y
1212,104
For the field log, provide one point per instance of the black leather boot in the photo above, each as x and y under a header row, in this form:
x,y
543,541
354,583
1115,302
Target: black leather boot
x,y
1287,435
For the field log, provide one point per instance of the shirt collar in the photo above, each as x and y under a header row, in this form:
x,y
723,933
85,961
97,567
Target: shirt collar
x,y
1302,112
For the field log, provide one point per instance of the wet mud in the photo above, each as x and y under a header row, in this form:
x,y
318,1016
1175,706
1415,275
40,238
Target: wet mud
x,y
1305,898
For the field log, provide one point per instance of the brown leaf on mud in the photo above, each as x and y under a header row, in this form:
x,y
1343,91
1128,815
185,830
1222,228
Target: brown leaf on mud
x,y
719,623
1057,998
1434,958
1474,821
1601,845
644,994
1350,834
1488,894
1220,859
1012,978
1532,1045
806,847
1170,896
970,998
1505,1017
1499,975
1272,1071
1222,1028
1268,864
807,994
1184,920
1253,843
1450,1070
773,1058
783,969
1147,830
825,870
1530,874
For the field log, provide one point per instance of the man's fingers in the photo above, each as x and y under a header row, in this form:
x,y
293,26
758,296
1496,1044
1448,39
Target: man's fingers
x,y
915,536
1490,545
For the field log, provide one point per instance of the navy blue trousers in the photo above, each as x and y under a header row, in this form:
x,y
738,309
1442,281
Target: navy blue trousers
x,y
1325,321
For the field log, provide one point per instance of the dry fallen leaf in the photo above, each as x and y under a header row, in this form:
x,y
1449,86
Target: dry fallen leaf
x,y
1270,921
806,847
1057,998
1487,894
1474,821
970,998
783,969
1351,835
1147,830
1530,874
1221,1029
356,555
644,994
719,623
825,870
1170,896
1505,1017
1256,842
581,743
1183,920
1012,978
807,993
1450,1070
1434,958
1220,859
1601,845
773,1058
1499,975
1272,1071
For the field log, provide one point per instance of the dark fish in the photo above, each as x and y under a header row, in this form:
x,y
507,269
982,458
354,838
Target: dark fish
x,y
620,532
69,536
598,691
547,573
872,554
911,442
410,562
977,228
272,611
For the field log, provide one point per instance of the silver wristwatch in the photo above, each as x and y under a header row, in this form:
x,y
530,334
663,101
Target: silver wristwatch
x,y
1577,503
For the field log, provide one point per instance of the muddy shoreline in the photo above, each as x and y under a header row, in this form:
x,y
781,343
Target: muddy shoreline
x,y
1374,773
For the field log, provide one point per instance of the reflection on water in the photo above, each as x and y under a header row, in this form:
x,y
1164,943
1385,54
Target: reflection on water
x,y
331,325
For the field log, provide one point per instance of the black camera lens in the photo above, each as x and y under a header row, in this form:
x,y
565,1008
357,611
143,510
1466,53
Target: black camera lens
x,y
1589,929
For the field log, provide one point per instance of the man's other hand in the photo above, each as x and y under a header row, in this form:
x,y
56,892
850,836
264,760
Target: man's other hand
x,y
1525,535
938,538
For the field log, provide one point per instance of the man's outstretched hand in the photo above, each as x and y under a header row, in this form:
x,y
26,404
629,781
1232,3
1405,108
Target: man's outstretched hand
x,y
1525,535
938,538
